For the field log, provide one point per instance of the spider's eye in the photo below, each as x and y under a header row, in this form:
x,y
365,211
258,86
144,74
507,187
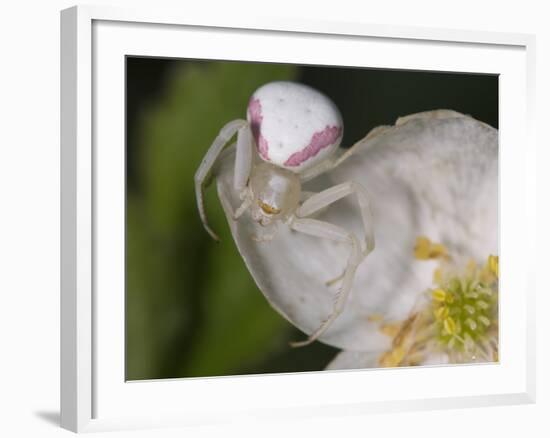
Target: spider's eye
x,y
268,209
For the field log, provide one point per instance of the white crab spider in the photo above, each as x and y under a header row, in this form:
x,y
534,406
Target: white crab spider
x,y
292,134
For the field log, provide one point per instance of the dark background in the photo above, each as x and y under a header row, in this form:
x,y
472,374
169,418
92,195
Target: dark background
x,y
180,322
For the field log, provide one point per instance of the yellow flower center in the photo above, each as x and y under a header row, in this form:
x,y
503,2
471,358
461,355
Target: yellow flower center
x,y
460,318
464,309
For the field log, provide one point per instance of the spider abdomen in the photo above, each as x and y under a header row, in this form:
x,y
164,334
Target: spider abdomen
x,y
294,126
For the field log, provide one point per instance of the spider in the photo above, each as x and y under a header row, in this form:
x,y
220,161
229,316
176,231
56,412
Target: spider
x,y
292,135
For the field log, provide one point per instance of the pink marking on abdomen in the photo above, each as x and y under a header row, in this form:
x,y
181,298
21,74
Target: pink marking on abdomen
x,y
256,118
318,141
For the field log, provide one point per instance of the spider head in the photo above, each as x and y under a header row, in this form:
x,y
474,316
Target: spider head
x,y
276,193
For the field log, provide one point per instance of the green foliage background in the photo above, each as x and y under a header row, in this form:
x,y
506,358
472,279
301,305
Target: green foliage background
x,y
192,308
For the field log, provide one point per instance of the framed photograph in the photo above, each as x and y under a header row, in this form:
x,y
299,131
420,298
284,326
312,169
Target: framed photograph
x,y
260,217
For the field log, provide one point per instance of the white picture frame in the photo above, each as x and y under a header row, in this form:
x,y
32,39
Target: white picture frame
x,y
94,395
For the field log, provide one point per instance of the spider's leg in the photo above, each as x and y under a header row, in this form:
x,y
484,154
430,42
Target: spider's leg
x,y
208,162
330,231
243,160
335,279
235,214
333,194
243,207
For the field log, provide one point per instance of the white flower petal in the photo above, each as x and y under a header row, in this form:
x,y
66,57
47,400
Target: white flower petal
x,y
436,359
433,175
354,360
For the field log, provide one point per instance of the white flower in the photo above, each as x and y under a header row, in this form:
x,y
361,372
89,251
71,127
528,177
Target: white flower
x,y
433,174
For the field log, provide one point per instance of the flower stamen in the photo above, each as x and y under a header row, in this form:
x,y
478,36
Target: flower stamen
x,y
460,318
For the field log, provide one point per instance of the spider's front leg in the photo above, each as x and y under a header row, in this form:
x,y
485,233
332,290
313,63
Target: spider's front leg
x,y
330,231
243,165
329,196
326,230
